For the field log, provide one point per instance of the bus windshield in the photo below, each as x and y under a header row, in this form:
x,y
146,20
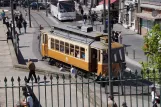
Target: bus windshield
x,y
67,6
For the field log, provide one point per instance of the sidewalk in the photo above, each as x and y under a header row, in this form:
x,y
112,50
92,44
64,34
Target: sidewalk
x,y
7,70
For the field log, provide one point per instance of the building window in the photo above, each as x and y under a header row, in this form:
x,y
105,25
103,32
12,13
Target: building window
x,y
82,53
57,45
61,46
66,48
71,49
52,43
148,24
77,52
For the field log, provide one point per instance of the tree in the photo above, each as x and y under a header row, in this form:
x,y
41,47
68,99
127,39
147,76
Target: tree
x,y
152,49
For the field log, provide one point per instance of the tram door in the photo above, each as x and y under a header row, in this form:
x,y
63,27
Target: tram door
x,y
45,45
94,60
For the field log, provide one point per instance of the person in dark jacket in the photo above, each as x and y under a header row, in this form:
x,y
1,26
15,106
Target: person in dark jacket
x,y
31,67
84,18
19,25
24,25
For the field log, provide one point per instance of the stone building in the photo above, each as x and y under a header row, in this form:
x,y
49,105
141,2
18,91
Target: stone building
x,y
149,15
127,10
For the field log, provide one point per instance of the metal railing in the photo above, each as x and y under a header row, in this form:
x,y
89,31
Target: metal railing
x,y
75,91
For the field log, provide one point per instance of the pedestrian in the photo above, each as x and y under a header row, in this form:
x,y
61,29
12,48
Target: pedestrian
x,y
155,97
82,11
3,14
111,102
116,37
31,67
4,20
25,13
8,34
16,17
27,101
19,25
21,17
124,104
120,38
73,70
7,22
24,25
85,18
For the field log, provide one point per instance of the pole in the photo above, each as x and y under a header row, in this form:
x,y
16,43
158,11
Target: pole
x,y
13,29
37,5
46,8
109,51
104,17
29,13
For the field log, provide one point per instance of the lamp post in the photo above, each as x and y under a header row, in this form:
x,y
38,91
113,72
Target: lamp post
x,y
46,8
29,12
104,17
15,39
109,50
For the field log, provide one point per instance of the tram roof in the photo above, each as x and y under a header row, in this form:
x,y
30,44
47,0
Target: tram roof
x,y
77,31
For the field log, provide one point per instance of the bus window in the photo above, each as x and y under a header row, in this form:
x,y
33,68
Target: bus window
x,y
61,46
66,48
52,43
57,44
71,49
77,52
82,53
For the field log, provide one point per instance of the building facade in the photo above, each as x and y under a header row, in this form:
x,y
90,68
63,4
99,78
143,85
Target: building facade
x,y
127,10
149,15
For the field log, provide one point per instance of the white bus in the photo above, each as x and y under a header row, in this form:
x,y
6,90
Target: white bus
x,y
63,9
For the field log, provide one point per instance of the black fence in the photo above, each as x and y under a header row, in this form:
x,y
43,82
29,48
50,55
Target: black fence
x,y
78,91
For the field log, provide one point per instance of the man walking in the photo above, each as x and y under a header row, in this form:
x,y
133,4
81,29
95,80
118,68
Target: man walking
x,y
31,67
85,18
24,25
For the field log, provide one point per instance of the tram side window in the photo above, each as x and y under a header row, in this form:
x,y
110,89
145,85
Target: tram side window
x,y
82,53
61,46
46,39
52,43
66,48
71,49
57,44
77,53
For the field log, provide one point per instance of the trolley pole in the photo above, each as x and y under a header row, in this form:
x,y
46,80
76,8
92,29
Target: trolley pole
x,y
46,8
109,51
104,17
29,12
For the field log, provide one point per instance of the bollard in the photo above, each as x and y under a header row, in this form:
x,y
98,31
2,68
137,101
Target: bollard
x,y
100,28
126,53
134,53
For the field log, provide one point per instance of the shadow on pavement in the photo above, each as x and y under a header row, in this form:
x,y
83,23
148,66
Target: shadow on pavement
x,y
36,102
20,58
33,60
24,46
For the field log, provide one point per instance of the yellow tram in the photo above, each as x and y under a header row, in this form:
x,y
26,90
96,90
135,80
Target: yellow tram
x,y
84,50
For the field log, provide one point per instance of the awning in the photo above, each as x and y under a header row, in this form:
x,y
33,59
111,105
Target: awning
x,y
148,16
111,1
